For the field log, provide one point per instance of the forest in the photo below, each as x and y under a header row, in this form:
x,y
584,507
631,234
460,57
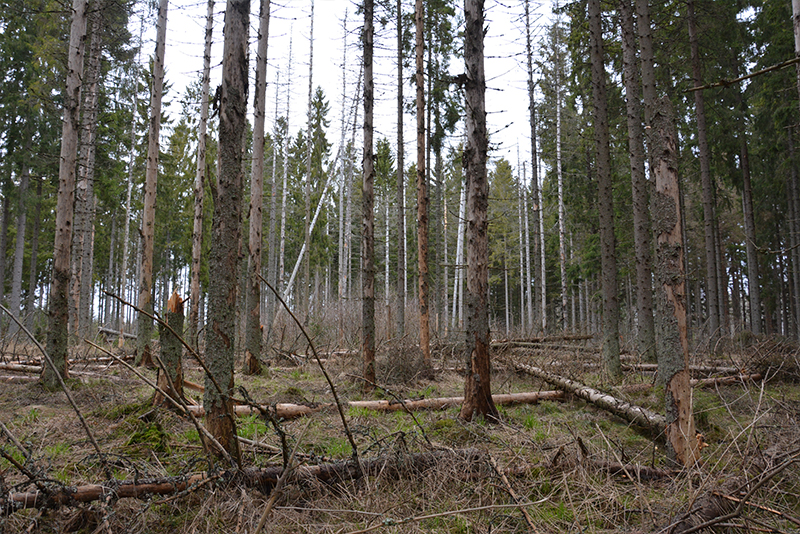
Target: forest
x,y
490,267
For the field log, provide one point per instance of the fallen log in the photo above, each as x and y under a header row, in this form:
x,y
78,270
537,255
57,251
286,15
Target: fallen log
x,y
701,382
110,332
291,411
630,412
263,479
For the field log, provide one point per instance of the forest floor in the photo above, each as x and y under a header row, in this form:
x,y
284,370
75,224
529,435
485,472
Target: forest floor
x,y
553,453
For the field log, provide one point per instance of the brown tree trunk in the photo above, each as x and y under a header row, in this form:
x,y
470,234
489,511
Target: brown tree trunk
x,y
199,182
368,196
145,333
608,259
171,381
422,191
641,215
537,284
400,308
477,385
226,230
705,179
33,281
673,339
57,334
253,335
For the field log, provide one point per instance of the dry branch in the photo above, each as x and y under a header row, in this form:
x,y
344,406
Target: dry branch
x,y
291,411
263,479
702,382
630,412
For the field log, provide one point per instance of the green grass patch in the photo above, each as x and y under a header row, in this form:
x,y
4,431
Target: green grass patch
x,y
250,426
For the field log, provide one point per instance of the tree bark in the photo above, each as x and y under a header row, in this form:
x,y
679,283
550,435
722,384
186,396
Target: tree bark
x,y
14,300
200,181
145,332
422,190
33,281
400,308
226,230
253,335
171,381
673,339
368,218
705,178
641,214
305,292
57,335
537,283
608,259
477,385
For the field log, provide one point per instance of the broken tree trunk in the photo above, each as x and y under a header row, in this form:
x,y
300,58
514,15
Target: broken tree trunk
x,y
630,412
170,377
291,411
263,479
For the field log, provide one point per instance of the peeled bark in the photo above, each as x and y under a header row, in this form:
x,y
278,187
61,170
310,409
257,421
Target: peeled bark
x,y
477,385
57,336
368,219
253,335
672,330
608,259
145,332
226,230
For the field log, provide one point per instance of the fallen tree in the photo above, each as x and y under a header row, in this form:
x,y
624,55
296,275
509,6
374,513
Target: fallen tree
x,y
630,412
291,411
263,479
701,382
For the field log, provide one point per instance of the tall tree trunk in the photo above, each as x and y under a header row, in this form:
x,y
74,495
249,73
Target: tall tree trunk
x,y
226,230
368,224
422,191
537,265
477,385
86,174
608,259
14,301
272,257
4,238
705,178
794,225
673,340
200,181
33,280
57,334
750,235
400,311
562,253
253,336
284,191
145,332
530,269
458,288
641,214
304,293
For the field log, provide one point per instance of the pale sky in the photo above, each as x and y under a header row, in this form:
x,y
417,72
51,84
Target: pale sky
x,y
506,97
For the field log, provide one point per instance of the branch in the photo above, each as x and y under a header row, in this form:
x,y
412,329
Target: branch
x,y
726,83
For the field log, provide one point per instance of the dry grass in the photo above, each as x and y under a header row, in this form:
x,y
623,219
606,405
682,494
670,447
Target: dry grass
x,y
549,450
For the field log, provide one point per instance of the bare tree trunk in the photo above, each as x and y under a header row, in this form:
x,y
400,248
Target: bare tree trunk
x,y
477,386
712,290
673,349
272,257
226,230
200,181
750,236
537,265
14,300
422,191
368,224
304,293
641,214
57,334
400,312
458,288
33,281
145,333
562,253
608,259
253,336
282,248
